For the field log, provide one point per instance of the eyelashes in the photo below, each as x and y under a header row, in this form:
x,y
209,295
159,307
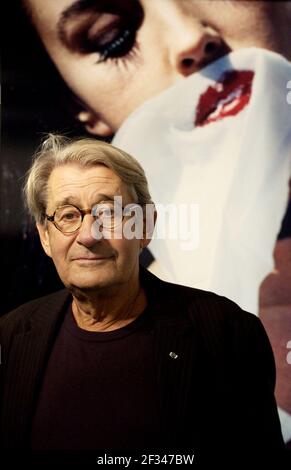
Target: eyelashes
x,y
114,42
121,47
109,33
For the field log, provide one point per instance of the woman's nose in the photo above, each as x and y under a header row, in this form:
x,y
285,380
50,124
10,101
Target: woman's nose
x,y
195,50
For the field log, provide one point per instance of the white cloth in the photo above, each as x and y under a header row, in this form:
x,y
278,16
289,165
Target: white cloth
x,y
235,169
285,419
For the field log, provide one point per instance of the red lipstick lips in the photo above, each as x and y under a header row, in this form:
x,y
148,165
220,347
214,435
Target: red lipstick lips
x,y
227,97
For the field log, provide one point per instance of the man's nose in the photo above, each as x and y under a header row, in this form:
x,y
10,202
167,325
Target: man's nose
x,y
196,47
85,234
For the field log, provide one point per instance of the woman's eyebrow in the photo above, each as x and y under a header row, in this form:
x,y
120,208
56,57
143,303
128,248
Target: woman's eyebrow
x,y
71,13
80,7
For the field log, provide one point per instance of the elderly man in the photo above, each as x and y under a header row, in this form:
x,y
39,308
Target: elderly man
x,y
120,359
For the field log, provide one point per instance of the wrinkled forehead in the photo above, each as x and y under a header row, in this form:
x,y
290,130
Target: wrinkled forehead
x,y
73,184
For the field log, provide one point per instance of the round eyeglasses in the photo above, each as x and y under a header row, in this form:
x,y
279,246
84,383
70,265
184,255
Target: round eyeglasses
x,y
69,218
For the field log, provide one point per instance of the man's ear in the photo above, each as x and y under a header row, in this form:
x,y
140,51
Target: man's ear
x,y
44,238
94,124
149,222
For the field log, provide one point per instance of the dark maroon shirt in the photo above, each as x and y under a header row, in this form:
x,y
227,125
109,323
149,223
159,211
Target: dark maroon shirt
x,y
99,390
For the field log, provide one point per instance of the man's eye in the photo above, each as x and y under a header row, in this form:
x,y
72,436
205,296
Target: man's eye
x,y
106,212
67,216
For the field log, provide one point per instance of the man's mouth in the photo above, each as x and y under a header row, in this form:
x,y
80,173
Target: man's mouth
x,y
227,97
92,258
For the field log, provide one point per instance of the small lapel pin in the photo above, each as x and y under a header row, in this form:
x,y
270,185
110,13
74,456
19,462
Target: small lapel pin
x,y
173,355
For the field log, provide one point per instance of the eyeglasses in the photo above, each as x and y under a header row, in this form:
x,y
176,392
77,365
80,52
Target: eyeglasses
x,y
69,218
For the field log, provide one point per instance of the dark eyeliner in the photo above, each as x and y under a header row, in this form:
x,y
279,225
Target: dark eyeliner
x,y
119,47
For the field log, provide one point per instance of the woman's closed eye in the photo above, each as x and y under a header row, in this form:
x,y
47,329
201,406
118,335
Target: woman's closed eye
x,y
117,43
110,36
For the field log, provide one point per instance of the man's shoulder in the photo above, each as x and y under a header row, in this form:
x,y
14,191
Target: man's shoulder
x,y
204,306
209,304
28,309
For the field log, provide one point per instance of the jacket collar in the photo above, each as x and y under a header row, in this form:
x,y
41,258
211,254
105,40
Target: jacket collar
x,y
30,347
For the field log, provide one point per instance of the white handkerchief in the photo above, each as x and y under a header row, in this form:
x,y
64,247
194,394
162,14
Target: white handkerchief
x,y
220,139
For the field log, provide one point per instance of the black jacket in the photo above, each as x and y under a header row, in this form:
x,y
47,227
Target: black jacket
x,y
216,397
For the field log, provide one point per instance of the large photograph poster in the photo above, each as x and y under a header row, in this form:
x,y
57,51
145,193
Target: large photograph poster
x,y
200,92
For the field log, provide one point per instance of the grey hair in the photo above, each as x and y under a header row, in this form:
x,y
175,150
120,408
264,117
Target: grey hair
x,y
57,150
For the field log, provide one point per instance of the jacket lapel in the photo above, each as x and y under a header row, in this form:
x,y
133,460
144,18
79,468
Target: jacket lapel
x,y
175,355
28,354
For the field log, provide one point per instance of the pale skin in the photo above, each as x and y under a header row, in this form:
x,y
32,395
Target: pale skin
x,y
102,275
275,313
171,40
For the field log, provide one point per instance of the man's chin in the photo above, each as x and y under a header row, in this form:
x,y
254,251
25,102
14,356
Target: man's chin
x,y
90,284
